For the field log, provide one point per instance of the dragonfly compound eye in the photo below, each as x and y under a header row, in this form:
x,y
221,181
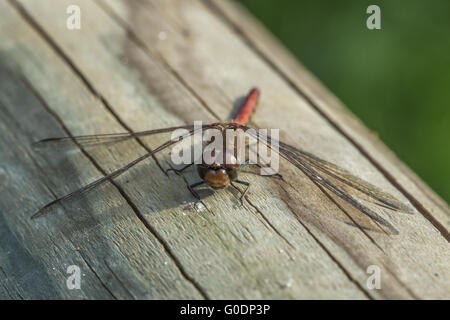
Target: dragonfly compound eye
x,y
217,178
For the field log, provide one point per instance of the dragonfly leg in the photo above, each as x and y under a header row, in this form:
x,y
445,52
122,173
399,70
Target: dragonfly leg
x,y
245,183
269,175
260,166
244,164
178,171
191,189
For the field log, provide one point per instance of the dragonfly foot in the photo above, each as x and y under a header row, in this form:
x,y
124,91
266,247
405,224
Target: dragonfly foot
x,y
245,183
177,171
269,175
277,175
191,189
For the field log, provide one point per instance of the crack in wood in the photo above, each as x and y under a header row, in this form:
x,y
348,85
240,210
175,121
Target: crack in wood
x,y
332,257
6,287
135,38
95,274
118,279
266,220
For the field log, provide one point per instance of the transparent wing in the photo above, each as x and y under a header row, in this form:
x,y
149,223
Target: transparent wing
x,y
117,172
336,189
340,182
99,139
372,193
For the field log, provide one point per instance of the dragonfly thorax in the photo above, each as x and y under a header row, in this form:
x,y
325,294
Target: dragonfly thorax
x,y
223,152
226,159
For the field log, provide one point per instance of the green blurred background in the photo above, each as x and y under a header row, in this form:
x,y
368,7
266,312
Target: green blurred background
x,y
396,80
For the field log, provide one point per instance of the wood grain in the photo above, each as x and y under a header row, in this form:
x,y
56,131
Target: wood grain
x,y
138,65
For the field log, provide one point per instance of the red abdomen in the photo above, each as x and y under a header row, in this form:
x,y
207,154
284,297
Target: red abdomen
x,y
249,107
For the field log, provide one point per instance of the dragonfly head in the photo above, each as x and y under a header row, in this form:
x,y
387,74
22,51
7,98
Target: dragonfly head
x,y
216,176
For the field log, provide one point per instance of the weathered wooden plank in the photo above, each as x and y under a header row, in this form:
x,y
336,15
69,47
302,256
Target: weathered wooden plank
x,y
229,251
171,67
199,55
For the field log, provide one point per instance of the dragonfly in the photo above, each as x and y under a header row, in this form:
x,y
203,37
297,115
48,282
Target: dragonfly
x,y
326,175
